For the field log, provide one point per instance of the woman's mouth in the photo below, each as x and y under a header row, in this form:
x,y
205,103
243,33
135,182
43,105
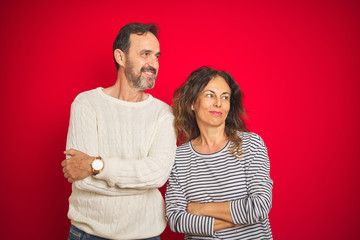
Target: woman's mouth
x,y
216,113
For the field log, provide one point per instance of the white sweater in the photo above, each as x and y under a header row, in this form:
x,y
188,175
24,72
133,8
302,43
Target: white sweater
x,y
137,143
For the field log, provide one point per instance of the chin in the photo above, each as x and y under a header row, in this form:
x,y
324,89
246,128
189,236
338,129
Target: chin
x,y
216,124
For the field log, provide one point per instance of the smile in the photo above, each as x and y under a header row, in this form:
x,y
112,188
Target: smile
x,y
149,73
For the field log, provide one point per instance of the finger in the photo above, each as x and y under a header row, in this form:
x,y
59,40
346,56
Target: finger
x,y
64,170
70,151
70,180
63,163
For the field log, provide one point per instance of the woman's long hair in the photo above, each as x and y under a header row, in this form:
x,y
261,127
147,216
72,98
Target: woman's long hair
x,y
185,122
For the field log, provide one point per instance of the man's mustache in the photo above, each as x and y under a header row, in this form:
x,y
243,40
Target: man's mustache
x,y
153,70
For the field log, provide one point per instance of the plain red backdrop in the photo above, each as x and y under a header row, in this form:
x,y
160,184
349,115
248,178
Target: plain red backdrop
x,y
296,61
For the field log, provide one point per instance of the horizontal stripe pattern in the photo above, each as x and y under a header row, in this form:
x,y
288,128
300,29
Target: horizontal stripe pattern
x,y
220,177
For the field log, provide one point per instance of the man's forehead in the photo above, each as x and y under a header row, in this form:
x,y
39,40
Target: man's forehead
x,y
146,41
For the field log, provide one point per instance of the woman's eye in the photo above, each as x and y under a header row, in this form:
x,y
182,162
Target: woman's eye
x,y
209,95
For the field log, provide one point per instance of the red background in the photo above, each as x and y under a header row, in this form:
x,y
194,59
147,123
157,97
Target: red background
x,y
297,63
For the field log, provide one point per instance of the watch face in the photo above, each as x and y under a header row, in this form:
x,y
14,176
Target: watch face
x,y
97,164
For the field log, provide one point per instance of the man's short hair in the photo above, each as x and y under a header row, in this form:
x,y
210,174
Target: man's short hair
x,y
122,40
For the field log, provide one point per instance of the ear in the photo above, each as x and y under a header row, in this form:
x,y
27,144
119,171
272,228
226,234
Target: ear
x,y
120,57
192,107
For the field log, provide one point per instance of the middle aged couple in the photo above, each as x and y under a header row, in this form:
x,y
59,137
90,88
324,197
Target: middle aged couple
x,y
121,148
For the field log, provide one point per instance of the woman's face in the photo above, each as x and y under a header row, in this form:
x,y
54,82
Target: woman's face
x,y
213,104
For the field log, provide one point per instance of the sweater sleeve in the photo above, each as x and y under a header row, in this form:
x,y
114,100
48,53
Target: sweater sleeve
x,y
256,206
83,136
82,133
153,170
178,218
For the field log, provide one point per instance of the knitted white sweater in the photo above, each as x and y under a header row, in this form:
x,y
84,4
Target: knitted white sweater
x,y
137,143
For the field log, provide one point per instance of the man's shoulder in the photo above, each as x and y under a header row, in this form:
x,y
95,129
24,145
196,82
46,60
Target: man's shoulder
x,y
87,100
162,107
86,96
160,103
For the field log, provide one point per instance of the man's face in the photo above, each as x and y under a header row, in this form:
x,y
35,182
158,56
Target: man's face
x,y
142,60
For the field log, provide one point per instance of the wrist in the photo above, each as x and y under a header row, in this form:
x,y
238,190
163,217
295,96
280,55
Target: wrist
x,y
96,165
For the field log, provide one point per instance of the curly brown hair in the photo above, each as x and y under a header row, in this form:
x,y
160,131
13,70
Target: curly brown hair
x,y
185,122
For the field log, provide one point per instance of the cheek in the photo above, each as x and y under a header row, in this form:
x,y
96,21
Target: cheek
x,y
204,105
200,107
198,104
226,107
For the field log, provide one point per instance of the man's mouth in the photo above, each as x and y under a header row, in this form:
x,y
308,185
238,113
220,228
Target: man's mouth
x,y
149,71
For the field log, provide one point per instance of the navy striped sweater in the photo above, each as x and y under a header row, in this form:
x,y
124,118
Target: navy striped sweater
x,y
220,177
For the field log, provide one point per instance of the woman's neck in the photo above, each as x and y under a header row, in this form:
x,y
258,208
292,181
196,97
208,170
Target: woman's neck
x,y
210,140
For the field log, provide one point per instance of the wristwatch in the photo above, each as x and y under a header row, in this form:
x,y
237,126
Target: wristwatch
x,y
97,165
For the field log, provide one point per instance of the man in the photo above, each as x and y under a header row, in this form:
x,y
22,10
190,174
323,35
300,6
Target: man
x,y
126,144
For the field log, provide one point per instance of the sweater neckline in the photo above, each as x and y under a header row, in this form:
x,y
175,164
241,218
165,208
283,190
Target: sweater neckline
x,y
100,91
208,154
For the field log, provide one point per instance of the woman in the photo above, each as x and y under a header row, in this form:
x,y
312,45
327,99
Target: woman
x,y
219,187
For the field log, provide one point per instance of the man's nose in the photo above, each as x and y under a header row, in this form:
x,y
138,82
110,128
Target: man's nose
x,y
154,62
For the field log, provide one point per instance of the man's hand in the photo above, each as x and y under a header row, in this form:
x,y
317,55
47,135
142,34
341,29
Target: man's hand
x,y
78,166
195,208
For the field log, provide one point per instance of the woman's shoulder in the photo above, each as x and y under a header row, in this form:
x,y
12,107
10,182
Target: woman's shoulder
x,y
251,139
185,147
183,154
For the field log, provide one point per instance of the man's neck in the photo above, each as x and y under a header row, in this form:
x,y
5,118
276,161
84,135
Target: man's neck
x,y
124,91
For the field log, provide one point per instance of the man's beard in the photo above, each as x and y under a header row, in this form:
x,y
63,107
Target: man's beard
x,y
138,81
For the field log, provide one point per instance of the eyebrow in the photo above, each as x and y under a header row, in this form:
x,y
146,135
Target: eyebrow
x,y
150,51
214,92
